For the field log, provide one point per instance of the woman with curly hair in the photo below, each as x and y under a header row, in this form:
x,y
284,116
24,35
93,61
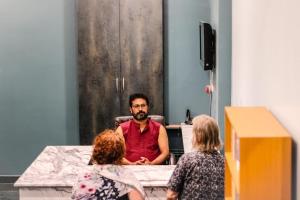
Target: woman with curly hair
x,y
107,179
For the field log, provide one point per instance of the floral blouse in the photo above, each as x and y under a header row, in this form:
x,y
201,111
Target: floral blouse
x,y
103,182
199,176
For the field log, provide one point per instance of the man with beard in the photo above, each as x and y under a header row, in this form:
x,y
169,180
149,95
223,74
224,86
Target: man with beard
x,y
146,140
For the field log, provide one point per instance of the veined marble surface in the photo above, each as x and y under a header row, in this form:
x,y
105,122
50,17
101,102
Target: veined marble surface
x,y
57,166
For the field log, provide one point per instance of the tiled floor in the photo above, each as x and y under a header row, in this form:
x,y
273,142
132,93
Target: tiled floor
x,y
9,195
7,190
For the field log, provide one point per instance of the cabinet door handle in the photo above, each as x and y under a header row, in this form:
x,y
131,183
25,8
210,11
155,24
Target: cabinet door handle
x,y
123,83
117,84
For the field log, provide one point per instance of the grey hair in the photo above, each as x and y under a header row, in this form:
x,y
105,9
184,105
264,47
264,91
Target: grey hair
x,y
206,135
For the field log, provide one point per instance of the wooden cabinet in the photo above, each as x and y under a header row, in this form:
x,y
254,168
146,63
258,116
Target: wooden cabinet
x,y
120,47
258,155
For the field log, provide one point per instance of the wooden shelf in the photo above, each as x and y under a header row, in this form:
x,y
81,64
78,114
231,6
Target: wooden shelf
x,y
258,155
232,167
255,122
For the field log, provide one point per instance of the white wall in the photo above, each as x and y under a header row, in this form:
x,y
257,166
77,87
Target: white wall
x,y
266,62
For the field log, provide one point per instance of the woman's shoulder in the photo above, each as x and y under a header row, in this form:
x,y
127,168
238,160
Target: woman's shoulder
x,y
199,155
189,156
192,154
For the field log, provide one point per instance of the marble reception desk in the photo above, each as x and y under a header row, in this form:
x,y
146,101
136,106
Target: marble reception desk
x,y
53,173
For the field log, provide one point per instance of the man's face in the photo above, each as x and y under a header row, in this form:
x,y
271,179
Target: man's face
x,y
139,109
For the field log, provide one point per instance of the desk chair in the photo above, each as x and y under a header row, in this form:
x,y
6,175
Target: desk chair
x,y
121,119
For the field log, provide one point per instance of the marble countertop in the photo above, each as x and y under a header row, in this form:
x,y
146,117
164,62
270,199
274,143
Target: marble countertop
x,y
57,166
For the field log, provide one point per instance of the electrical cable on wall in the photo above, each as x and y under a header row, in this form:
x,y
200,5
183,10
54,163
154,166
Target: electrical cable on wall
x,y
210,103
208,89
211,82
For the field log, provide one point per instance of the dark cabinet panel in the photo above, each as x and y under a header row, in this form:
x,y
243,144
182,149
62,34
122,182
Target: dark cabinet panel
x,y
141,46
119,53
98,65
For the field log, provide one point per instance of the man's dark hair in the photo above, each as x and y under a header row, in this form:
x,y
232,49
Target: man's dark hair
x,y
137,96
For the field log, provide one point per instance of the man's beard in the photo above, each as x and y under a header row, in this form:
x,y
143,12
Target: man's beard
x,y
140,116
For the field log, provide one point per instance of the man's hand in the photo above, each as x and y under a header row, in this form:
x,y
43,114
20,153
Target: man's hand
x,y
138,162
142,161
145,161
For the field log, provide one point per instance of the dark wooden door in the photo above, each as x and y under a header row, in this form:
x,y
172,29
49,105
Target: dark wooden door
x,y
119,53
141,43
98,65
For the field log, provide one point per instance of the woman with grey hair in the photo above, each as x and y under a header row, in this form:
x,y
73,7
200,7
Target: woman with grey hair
x,y
200,174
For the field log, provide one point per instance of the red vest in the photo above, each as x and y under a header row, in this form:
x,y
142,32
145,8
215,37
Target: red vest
x,y
141,144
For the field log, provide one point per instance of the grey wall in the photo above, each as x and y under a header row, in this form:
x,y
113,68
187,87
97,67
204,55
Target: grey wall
x,y
38,83
71,92
184,76
221,22
38,104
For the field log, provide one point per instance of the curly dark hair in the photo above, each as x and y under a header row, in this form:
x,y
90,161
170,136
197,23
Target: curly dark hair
x,y
109,148
132,97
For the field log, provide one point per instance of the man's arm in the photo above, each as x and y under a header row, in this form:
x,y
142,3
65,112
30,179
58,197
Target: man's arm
x,y
163,146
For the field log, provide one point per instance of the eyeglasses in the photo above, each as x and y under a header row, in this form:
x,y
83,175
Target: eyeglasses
x,y
136,106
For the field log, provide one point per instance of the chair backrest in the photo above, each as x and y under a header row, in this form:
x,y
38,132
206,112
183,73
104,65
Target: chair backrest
x,y
121,119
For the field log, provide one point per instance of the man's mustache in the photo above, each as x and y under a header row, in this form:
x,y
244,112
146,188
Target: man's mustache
x,y
141,115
